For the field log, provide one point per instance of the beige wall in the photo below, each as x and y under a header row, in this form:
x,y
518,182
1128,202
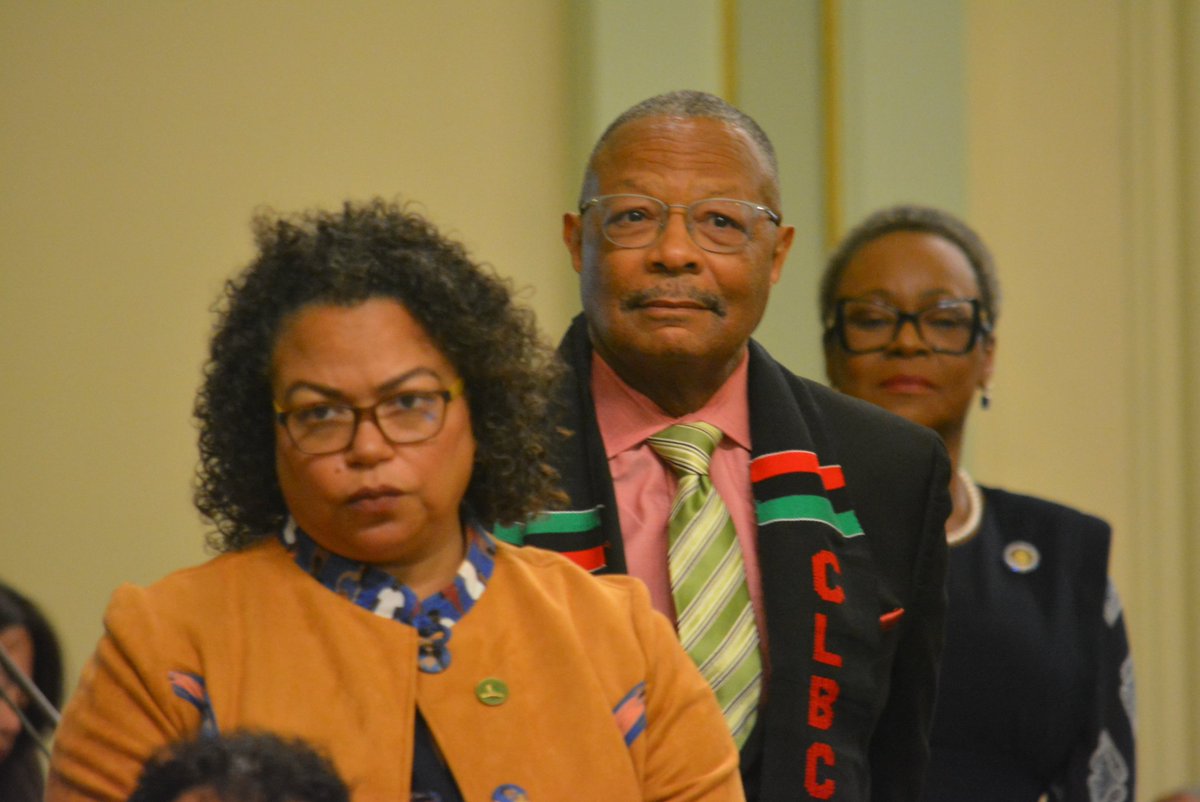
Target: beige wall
x,y
136,138
1083,178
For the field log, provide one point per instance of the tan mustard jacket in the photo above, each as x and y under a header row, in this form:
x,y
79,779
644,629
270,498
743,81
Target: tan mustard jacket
x,y
279,651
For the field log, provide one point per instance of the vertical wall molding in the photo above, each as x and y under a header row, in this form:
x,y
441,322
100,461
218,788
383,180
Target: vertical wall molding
x,y
832,178
731,82
1164,561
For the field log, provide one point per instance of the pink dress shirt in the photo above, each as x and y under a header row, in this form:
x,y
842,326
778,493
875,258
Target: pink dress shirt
x,y
645,485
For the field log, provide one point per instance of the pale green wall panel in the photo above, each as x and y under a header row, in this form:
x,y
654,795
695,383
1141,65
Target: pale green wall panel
x,y
904,104
779,66
624,51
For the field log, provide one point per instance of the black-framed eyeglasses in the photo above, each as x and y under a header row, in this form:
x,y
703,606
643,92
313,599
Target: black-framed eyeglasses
x,y
948,327
403,418
719,225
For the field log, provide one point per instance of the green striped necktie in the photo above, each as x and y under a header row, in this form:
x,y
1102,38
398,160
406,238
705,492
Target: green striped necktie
x,y
713,611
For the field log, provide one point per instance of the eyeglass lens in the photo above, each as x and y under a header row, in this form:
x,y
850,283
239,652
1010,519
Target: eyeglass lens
x,y
716,224
948,327
408,417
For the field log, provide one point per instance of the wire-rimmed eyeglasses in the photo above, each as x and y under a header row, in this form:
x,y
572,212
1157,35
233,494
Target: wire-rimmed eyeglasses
x,y
950,326
403,418
718,225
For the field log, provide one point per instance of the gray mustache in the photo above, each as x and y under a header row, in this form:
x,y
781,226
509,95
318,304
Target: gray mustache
x,y
639,298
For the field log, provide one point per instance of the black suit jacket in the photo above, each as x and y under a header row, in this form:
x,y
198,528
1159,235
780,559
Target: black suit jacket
x,y
851,504
1037,691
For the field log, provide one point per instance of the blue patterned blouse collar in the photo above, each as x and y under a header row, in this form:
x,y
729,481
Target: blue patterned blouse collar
x,y
377,591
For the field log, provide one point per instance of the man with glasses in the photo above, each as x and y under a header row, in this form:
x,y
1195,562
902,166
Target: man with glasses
x,y
793,535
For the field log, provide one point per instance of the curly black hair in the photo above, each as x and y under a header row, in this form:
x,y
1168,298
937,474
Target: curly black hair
x,y
911,217
375,249
243,766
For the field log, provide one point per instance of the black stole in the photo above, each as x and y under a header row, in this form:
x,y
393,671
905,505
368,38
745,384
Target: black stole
x,y
824,613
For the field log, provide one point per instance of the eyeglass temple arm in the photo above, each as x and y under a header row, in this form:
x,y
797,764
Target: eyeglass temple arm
x,y
35,696
26,685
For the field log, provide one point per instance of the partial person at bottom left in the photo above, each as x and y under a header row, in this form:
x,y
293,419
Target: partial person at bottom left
x,y
31,686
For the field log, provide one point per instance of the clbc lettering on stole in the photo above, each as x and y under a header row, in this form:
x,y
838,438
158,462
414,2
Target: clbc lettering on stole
x,y
823,690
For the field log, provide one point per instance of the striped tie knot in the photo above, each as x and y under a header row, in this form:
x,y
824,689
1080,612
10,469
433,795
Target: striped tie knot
x,y
687,447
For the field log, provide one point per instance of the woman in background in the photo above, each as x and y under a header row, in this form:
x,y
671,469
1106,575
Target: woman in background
x,y
1036,688
29,641
371,400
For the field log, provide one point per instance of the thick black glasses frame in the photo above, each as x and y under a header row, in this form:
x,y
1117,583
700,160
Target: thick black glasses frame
x,y
978,326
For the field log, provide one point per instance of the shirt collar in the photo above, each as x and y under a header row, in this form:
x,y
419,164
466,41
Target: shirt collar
x,y
377,591
627,417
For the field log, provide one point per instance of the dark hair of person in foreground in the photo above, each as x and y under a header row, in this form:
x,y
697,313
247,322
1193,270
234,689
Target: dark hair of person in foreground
x,y
241,767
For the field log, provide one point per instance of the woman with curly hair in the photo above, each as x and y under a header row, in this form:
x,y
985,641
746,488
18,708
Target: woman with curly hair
x,y
372,400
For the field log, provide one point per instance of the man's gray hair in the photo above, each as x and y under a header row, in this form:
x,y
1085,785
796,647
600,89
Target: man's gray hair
x,y
689,104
